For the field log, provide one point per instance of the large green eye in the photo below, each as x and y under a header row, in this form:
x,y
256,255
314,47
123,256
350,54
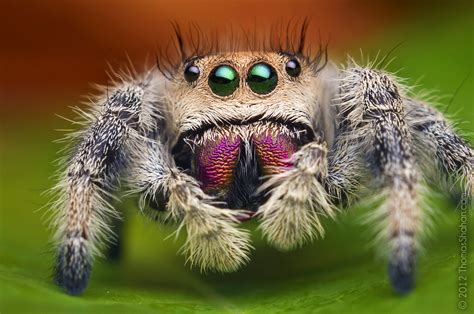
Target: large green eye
x,y
223,80
262,78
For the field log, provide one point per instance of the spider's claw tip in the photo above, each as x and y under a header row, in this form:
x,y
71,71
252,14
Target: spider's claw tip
x,y
69,285
72,277
401,277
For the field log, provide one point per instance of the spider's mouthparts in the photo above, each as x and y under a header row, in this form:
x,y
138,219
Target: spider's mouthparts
x,y
229,161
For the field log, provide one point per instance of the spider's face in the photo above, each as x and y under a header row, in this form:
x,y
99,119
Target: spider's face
x,y
237,87
240,116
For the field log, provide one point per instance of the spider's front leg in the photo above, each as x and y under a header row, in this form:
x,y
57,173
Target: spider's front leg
x,y
441,149
92,174
297,199
213,239
373,110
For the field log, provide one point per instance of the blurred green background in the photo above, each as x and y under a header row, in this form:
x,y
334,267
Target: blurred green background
x,y
339,274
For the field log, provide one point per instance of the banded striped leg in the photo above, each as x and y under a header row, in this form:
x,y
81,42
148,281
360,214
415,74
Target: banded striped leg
x,y
213,240
373,108
91,175
440,148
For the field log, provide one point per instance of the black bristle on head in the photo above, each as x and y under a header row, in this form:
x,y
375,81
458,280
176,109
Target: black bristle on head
x,y
282,37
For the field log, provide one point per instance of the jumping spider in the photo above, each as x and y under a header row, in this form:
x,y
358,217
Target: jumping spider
x,y
267,132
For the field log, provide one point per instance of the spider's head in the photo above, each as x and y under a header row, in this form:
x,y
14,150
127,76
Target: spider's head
x,y
240,116
243,87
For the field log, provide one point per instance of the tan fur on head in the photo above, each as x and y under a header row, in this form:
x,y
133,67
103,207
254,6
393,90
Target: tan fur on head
x,y
193,105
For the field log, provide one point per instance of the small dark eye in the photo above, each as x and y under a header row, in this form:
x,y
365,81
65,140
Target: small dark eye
x,y
191,73
223,80
293,68
262,78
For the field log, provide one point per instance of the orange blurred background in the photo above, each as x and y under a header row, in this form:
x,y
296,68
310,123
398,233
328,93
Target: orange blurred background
x,y
51,50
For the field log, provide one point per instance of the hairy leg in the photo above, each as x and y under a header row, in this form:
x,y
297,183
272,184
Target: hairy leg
x,y
439,147
372,107
345,166
213,239
297,199
91,175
